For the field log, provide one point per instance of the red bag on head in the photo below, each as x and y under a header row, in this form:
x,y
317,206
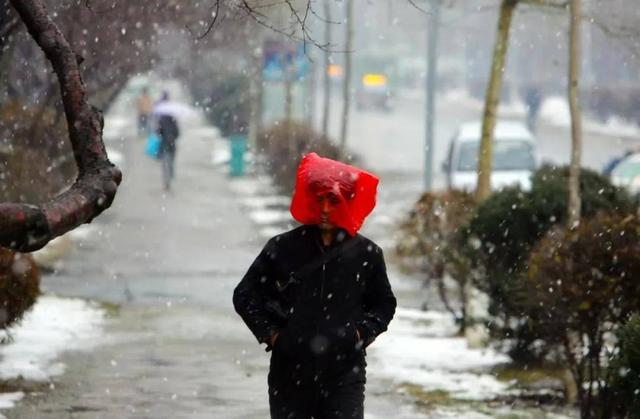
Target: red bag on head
x,y
353,192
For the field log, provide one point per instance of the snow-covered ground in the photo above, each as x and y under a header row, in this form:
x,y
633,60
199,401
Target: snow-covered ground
x,y
54,325
554,110
420,349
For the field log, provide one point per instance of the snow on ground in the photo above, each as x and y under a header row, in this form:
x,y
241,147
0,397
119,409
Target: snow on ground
x,y
269,216
554,110
258,202
419,349
54,325
9,400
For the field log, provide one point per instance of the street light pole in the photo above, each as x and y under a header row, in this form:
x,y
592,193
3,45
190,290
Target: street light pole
x,y
433,24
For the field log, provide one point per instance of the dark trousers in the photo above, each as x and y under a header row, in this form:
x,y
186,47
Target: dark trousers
x,y
298,394
167,161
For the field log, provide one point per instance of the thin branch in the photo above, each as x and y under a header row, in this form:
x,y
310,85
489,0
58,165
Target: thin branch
x,y
415,5
546,3
324,19
213,20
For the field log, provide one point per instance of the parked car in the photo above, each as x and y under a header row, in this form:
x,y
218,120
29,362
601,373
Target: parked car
x,y
515,156
373,93
626,174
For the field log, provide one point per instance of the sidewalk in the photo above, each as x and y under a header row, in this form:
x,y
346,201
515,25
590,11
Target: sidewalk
x,y
172,345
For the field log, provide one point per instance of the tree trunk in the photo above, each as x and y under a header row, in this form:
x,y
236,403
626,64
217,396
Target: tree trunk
x,y
346,87
573,207
30,227
326,80
255,98
288,71
492,99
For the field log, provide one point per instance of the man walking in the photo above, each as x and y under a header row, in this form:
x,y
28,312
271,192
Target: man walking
x,y
318,295
168,131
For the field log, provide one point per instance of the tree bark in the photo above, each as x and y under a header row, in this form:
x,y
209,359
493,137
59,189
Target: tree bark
x,y
289,72
255,94
29,227
492,99
346,87
326,80
573,207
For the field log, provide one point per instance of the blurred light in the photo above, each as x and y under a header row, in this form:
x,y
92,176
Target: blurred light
x,y
374,80
335,71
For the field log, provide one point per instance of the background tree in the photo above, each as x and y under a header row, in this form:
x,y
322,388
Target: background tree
x,y
326,79
492,98
346,87
575,18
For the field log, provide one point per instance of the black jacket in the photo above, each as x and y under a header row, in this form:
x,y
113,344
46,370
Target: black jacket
x,y
316,297
168,132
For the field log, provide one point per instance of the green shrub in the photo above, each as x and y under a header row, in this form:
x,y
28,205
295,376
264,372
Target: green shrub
x,y
284,145
549,194
429,236
226,100
509,224
624,372
583,282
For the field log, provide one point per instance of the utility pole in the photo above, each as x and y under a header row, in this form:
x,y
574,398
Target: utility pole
x,y
346,87
326,81
575,39
433,25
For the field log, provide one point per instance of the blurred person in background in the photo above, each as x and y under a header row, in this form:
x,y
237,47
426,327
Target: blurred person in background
x,y
532,99
144,106
166,126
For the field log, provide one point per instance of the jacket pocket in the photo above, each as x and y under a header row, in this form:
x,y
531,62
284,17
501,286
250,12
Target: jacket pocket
x,y
346,339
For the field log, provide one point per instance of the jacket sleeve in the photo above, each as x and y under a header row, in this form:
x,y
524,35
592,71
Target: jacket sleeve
x,y
379,302
249,296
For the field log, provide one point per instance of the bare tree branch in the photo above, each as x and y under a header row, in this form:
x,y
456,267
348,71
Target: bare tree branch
x,y
29,227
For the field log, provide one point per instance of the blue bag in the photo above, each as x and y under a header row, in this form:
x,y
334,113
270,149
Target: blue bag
x,y
152,148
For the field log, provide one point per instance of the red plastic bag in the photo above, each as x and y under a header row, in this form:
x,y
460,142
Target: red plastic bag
x,y
351,191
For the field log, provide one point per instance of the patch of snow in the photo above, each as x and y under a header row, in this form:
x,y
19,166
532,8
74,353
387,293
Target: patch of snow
x,y
220,156
114,126
268,232
83,232
265,216
418,349
555,110
461,96
253,186
9,400
613,126
266,201
115,156
54,325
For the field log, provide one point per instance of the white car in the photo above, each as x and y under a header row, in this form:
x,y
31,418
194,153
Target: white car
x,y
515,156
626,174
